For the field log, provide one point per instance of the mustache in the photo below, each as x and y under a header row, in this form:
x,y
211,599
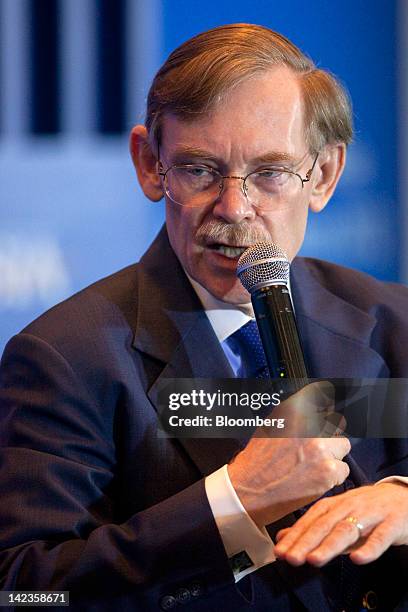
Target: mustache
x,y
240,234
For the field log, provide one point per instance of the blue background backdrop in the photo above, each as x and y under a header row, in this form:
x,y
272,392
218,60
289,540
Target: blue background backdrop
x,y
70,208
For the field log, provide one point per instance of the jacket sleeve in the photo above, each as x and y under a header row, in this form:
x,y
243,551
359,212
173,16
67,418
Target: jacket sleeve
x,y
58,523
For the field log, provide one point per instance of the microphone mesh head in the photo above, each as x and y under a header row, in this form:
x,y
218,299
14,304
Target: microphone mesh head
x,y
262,264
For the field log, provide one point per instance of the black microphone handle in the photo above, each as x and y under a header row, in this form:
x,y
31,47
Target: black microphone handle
x,y
279,334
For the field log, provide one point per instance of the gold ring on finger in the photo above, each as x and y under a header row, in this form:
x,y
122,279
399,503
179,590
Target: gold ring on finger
x,y
354,521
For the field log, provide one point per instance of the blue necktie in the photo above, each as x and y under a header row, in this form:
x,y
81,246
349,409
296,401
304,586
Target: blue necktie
x,y
247,342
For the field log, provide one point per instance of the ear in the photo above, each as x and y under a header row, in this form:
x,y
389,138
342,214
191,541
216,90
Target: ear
x,y
145,163
326,174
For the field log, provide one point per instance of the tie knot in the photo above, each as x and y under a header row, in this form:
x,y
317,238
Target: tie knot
x,y
250,347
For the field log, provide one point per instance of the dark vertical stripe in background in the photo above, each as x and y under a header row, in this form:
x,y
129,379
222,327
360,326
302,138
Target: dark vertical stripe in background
x,y
44,64
111,45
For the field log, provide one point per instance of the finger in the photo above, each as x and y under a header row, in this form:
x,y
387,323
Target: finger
x,y
334,425
313,527
282,533
321,394
322,448
342,471
321,424
333,472
354,546
327,536
339,446
381,538
289,536
341,427
344,535
314,397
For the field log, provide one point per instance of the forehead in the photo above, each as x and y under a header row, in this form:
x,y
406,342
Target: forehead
x,y
260,115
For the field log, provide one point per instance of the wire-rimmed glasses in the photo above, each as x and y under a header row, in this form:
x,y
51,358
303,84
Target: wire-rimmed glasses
x,y
195,185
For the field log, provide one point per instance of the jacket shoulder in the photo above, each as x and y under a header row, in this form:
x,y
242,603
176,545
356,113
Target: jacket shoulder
x,y
108,303
354,287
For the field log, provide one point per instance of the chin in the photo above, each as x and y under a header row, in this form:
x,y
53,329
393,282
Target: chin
x,y
231,295
221,282
237,299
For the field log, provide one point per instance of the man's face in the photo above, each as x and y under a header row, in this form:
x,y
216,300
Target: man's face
x,y
259,124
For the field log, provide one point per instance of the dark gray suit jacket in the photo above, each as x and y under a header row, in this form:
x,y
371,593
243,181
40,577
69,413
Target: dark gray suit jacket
x,y
94,502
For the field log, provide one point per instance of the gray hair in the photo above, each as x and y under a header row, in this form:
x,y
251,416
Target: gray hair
x,y
205,67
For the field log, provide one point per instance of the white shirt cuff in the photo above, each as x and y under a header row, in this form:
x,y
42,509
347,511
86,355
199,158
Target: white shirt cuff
x,y
403,479
238,531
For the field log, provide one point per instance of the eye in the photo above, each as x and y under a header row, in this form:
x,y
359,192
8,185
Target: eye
x,y
198,171
270,173
269,179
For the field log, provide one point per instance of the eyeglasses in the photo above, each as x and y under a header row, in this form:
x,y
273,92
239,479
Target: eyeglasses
x,y
195,185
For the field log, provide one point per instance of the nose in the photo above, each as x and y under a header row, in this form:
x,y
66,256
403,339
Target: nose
x,y
232,204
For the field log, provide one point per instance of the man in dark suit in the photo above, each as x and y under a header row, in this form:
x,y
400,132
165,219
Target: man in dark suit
x,y
243,136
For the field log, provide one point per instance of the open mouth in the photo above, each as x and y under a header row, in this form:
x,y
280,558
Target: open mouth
x,y
232,252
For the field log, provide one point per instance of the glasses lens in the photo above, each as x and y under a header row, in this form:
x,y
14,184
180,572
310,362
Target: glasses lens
x,y
192,185
273,189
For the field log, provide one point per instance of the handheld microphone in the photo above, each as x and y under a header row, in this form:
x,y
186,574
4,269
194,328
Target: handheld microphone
x,y
263,269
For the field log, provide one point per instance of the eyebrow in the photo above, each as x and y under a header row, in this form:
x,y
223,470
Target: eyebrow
x,y
272,157
186,151
275,157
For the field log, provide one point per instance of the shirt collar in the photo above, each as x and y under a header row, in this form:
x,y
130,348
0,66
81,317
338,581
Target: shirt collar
x,y
225,318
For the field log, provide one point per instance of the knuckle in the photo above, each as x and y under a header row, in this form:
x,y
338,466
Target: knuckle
x,y
345,529
347,445
331,468
323,505
317,446
375,542
334,472
345,474
345,471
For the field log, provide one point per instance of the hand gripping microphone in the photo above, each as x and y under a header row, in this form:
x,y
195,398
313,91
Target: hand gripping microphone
x,y
263,269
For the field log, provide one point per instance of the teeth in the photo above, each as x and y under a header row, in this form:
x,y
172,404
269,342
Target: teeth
x,y
228,251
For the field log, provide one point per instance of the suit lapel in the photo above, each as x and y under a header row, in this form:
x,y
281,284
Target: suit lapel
x,y
200,356
335,334
173,328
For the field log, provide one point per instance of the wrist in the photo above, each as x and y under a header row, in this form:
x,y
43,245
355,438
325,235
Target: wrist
x,y
246,495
